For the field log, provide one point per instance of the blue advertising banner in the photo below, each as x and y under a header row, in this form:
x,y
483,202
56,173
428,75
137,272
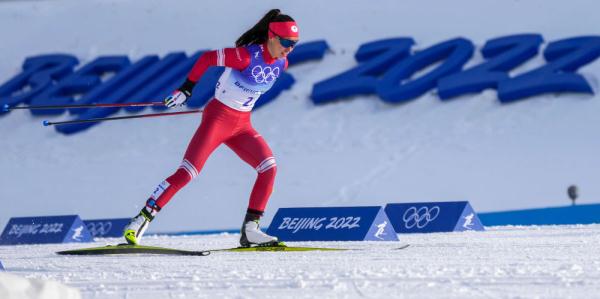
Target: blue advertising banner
x,y
433,217
45,229
579,214
332,224
106,228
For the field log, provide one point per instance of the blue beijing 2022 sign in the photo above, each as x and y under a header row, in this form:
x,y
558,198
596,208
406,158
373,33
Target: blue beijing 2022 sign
x,y
385,68
430,217
42,230
332,224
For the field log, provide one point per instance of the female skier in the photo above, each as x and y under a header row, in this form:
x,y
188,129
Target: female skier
x,y
251,68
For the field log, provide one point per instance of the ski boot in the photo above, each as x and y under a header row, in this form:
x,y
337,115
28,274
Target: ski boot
x,y
252,235
134,231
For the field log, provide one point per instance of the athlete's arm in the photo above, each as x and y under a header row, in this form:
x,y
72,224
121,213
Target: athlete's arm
x,y
236,58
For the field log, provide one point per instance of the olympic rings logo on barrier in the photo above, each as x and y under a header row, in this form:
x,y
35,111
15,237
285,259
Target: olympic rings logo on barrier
x,y
265,75
421,217
99,229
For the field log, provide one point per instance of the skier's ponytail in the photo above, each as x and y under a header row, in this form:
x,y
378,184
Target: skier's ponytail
x,y
260,32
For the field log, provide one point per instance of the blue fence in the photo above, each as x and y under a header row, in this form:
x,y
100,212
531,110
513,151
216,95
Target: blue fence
x,y
44,230
332,224
430,217
580,214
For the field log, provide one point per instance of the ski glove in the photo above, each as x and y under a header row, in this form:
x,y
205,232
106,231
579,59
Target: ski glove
x,y
176,99
181,95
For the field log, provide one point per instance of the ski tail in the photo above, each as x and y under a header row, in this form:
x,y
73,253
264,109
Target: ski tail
x,y
277,248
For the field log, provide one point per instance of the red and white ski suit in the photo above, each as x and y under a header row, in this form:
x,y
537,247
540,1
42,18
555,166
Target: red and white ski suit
x,y
226,119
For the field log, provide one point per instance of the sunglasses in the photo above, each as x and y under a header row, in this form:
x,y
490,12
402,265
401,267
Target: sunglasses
x,y
286,43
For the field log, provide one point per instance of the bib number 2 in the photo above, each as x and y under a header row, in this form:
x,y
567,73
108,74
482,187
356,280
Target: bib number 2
x,y
249,102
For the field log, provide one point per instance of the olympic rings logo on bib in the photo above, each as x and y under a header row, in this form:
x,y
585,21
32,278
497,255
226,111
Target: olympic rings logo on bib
x,y
265,75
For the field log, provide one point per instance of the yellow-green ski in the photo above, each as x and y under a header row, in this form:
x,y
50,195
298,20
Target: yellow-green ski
x,y
277,247
283,247
131,249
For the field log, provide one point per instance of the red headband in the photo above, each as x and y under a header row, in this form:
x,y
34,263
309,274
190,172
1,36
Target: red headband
x,y
283,29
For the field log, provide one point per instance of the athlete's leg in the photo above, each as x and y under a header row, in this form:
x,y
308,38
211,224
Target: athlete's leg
x,y
213,130
252,148
207,138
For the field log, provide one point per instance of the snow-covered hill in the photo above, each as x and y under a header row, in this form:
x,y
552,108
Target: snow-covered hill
x,y
358,151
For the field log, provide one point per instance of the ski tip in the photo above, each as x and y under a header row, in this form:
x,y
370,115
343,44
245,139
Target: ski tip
x,y
132,249
46,123
402,247
5,108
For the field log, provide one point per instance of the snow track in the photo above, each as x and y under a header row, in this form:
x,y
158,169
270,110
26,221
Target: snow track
x,y
504,262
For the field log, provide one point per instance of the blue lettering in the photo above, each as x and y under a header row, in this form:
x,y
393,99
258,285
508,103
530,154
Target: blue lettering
x,y
153,80
39,72
385,67
113,91
503,54
374,58
82,81
564,58
396,86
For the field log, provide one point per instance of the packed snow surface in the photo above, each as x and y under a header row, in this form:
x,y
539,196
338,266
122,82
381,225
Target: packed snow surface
x,y
502,262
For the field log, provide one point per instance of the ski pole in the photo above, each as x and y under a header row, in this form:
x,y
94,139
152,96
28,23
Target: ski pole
x,y
7,108
50,123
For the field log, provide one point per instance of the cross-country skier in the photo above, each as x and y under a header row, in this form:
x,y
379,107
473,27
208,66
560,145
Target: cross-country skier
x,y
251,68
